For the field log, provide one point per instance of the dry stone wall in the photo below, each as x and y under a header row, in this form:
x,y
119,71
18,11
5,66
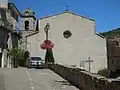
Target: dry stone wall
x,y
84,79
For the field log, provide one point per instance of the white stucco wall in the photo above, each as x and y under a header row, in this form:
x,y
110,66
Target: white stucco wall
x,y
4,3
82,44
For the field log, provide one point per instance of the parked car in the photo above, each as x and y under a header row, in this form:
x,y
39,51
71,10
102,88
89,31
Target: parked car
x,y
35,62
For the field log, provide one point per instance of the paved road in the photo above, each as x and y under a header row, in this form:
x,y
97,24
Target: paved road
x,y
2,80
34,79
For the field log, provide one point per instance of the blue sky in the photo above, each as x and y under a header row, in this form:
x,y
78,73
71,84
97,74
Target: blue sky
x,y
106,13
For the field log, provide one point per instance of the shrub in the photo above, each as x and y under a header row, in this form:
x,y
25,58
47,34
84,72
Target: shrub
x,y
49,56
16,55
104,72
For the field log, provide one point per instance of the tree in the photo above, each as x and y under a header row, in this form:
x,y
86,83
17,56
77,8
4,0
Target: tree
x,y
16,55
49,56
115,33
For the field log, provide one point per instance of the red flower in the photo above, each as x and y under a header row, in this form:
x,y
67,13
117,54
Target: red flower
x,y
47,44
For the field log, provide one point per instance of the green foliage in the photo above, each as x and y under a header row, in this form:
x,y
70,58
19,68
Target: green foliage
x,y
104,72
112,34
17,55
49,56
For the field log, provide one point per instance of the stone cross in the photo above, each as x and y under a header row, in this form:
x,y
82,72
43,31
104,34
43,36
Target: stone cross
x,y
89,62
66,8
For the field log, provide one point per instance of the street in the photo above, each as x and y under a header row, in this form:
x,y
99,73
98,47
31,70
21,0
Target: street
x,y
32,79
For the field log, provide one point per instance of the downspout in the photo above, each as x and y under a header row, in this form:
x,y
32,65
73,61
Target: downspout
x,y
2,62
0,57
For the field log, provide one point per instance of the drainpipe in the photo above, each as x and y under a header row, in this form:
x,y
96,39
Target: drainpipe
x,y
2,59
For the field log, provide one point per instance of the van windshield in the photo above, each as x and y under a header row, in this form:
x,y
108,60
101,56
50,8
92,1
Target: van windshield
x,y
36,58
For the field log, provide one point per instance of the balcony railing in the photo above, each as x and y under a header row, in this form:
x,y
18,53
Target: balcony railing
x,y
6,24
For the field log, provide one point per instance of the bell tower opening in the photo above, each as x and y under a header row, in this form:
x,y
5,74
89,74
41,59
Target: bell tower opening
x,y
26,25
27,20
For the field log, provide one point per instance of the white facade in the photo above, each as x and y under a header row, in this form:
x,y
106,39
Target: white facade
x,y
83,43
4,3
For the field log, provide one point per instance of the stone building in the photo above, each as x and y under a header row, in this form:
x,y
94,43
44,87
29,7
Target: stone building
x,y
113,51
27,26
8,29
76,41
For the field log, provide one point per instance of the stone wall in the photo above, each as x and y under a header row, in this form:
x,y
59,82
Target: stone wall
x,y
113,55
85,80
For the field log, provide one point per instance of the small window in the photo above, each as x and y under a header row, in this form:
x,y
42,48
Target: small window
x,y
117,43
67,34
26,12
33,24
26,25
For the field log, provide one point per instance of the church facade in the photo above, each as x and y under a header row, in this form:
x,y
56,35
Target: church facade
x,y
76,43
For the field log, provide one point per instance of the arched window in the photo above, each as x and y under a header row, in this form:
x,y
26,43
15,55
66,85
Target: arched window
x,y
26,25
